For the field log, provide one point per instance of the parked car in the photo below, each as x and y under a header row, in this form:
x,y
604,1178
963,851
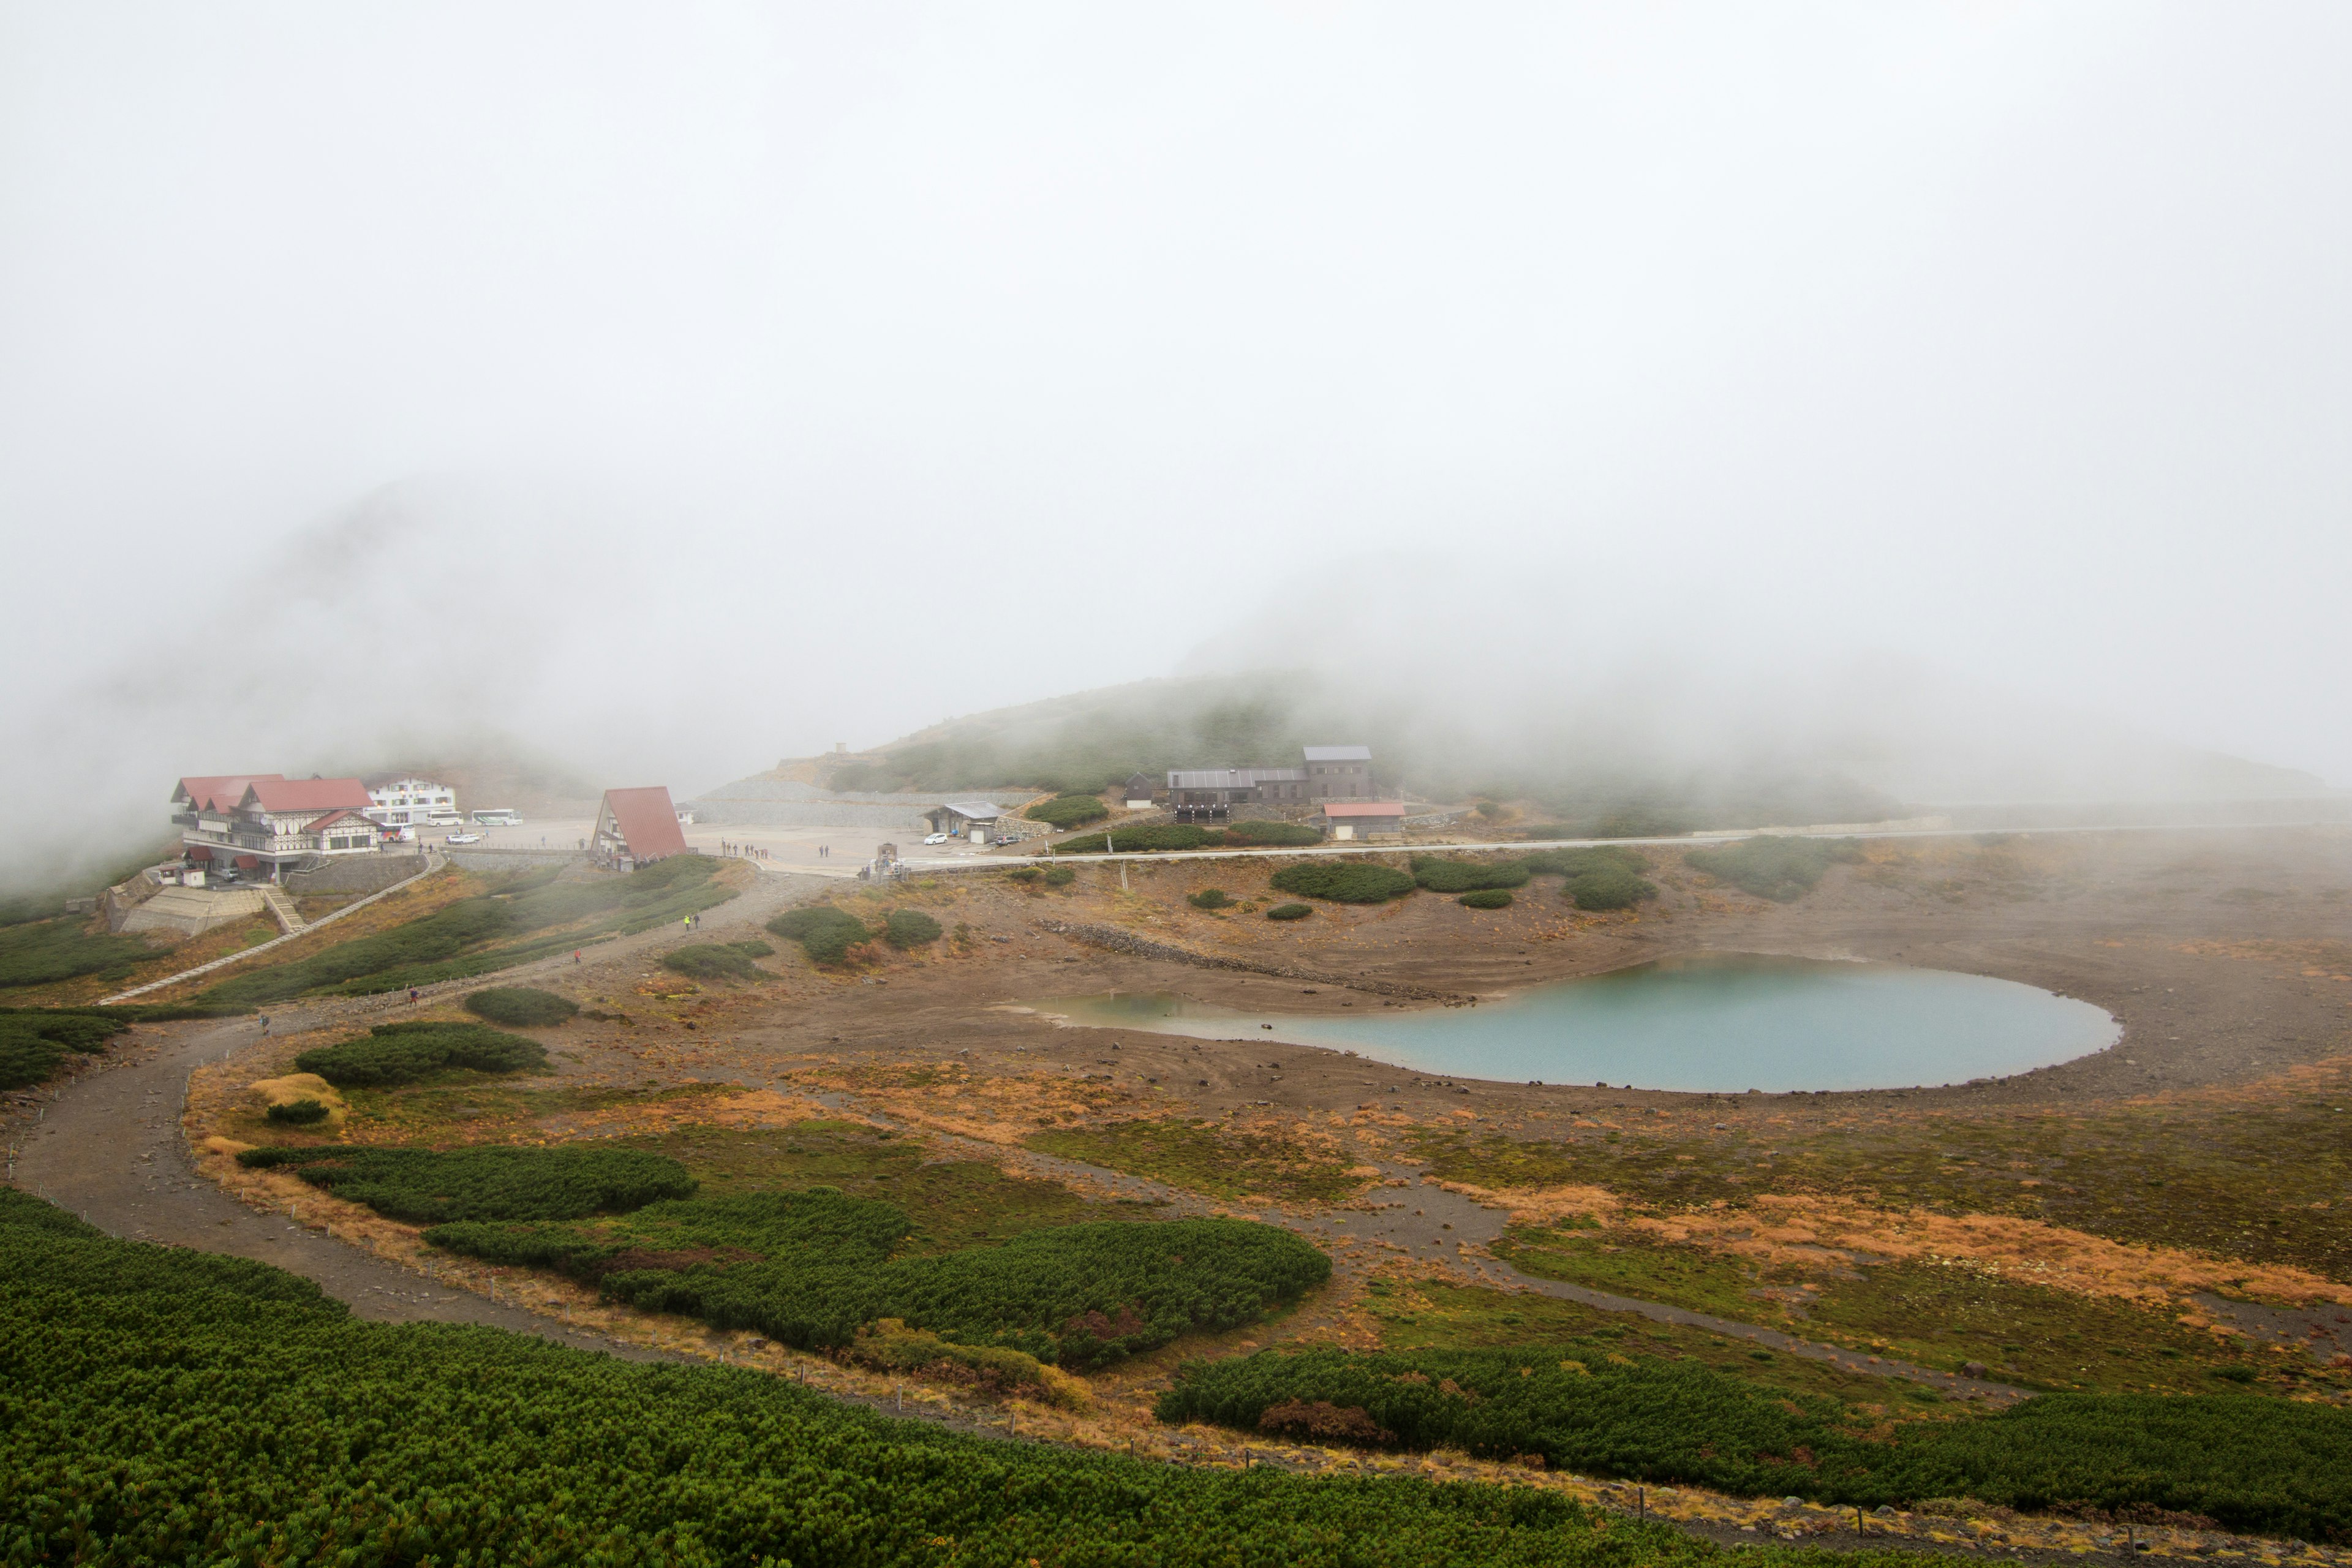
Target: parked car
x,y
1008,839
935,838
462,838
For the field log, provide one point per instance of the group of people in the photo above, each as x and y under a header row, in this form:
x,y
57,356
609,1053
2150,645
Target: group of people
x,y
742,851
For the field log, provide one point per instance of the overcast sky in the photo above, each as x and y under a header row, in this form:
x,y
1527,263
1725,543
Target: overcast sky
x,y
684,386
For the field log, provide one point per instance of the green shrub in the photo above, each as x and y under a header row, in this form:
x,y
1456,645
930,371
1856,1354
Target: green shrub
x,y
904,928
402,1053
1023,874
521,1007
712,961
529,916
430,1186
824,931
1060,876
810,1267
1487,898
1208,899
1344,881
1150,836
1608,888
297,1112
2250,1462
1270,834
1069,810
40,952
1440,876
162,1401
1577,862
1776,869
1289,912
34,1042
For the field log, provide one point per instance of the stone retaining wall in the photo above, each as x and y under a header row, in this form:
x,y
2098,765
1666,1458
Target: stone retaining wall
x,y
355,874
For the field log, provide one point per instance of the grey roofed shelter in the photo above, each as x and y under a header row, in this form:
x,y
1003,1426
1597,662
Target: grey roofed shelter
x,y
961,816
1338,753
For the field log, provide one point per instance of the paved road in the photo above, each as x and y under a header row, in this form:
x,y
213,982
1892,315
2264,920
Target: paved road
x,y
1685,841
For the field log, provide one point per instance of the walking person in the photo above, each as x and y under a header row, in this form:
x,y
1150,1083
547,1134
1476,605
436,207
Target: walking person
x,y
265,1023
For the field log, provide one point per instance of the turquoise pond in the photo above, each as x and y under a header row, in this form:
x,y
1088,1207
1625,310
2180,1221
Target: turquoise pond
x,y
1711,1022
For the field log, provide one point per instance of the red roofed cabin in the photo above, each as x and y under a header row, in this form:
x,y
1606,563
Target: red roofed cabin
x,y
262,823
1362,820
635,827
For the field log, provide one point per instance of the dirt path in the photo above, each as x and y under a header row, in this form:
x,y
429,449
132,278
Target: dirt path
x,y
109,1147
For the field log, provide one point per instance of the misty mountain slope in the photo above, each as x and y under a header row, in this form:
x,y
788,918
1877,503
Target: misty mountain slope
x,y
1856,743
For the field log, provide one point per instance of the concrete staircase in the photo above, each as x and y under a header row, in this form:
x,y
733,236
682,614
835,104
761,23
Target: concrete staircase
x,y
281,909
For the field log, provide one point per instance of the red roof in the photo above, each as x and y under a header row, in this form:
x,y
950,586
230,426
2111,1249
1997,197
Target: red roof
x,y
220,793
200,851
307,794
334,817
248,862
1365,809
647,820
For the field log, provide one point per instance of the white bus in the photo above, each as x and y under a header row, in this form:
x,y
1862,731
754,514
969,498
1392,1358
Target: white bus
x,y
497,816
438,818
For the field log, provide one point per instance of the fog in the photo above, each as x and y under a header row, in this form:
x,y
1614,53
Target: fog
x,y
676,389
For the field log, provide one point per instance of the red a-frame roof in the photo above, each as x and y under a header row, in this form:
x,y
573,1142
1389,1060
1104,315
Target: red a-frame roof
x,y
647,820
308,795
220,792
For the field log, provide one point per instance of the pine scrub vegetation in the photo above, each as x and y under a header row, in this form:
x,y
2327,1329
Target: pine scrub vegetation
x,y
2247,1462
428,1186
811,1267
1780,870
825,932
1071,808
521,1007
1344,881
165,1405
402,1053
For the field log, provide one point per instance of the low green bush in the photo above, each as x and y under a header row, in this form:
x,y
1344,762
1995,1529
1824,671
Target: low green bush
x,y
714,961
1208,899
1777,869
1344,881
825,933
1150,836
1070,809
431,1186
1487,898
528,917
810,1267
521,1007
1442,875
1608,888
168,1405
34,1042
297,1112
904,928
40,952
1060,876
402,1053
2250,1462
1289,912
1270,834
1022,873
1576,862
